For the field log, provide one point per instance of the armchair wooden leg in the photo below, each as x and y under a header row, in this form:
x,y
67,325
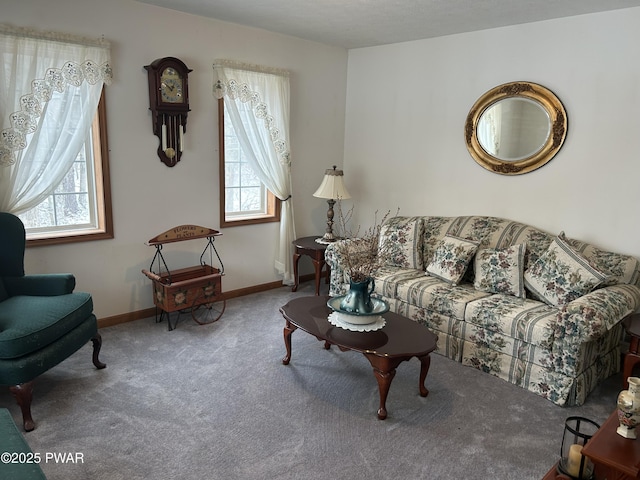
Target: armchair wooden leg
x,y
23,394
97,345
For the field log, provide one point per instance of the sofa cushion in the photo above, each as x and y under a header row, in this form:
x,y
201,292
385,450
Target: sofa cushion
x,y
489,232
451,258
28,323
500,270
437,295
401,238
618,267
388,278
524,319
492,344
561,274
434,230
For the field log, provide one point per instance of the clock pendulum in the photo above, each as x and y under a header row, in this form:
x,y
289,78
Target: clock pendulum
x,y
172,137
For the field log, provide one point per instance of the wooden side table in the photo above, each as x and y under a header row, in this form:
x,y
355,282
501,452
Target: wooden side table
x,y
553,474
309,246
632,357
615,457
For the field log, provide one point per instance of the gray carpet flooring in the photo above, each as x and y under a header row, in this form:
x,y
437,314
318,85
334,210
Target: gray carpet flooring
x,y
215,402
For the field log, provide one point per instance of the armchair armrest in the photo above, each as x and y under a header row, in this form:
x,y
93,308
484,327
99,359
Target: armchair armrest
x,y
591,316
41,284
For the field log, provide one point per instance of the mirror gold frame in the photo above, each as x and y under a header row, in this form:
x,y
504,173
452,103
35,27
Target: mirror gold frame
x,y
532,91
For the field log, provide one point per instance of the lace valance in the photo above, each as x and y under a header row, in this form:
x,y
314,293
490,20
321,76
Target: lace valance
x,y
239,81
43,63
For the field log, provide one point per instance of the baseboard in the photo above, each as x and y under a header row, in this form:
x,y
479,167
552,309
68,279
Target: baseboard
x,y
126,317
150,312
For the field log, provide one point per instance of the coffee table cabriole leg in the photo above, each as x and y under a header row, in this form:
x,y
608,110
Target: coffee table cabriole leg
x,y
384,369
288,330
425,362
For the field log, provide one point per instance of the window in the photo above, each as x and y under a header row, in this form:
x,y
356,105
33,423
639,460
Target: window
x,y
80,207
244,199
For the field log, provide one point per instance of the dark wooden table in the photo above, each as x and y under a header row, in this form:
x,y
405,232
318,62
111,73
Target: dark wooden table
x,y
309,246
553,474
399,340
614,457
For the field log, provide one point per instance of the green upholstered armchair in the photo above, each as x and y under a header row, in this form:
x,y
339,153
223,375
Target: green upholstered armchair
x,y
42,321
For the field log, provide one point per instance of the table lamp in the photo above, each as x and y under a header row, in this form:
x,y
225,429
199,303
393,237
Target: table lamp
x,y
331,188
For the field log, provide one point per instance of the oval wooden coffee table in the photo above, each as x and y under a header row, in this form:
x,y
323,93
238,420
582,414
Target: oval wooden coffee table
x,y
399,340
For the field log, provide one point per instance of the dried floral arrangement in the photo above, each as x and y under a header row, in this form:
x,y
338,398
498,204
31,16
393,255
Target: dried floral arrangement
x,y
362,253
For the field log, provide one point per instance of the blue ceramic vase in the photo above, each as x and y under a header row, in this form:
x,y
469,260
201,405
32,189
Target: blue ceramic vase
x,y
358,299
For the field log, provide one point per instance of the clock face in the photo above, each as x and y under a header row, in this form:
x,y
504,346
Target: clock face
x,y
171,86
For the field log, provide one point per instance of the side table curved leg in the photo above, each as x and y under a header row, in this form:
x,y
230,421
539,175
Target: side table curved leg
x,y
315,250
317,265
296,279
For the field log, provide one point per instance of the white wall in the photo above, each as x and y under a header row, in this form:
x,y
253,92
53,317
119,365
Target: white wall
x,y
407,104
148,197
403,140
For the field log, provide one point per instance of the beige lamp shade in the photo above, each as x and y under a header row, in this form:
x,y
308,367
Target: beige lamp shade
x,y
332,186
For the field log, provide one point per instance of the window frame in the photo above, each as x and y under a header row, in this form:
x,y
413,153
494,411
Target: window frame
x,y
102,183
273,202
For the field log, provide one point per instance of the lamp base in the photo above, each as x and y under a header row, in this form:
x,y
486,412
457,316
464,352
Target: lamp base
x,y
328,236
326,240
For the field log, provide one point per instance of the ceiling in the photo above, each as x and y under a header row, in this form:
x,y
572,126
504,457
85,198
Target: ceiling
x,y
365,23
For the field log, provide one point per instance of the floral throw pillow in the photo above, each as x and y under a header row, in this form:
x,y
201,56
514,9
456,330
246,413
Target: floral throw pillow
x,y
561,274
501,271
451,258
401,242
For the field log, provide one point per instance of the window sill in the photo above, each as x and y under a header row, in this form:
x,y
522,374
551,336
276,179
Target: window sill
x,y
249,221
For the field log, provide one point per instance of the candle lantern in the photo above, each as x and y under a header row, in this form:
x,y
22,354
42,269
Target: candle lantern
x,y
577,432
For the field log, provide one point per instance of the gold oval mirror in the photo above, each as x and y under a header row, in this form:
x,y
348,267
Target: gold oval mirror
x,y
515,128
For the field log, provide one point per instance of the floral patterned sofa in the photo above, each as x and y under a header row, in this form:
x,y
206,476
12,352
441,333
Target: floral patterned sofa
x,y
538,310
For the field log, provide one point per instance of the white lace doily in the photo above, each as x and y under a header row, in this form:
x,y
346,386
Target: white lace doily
x,y
338,319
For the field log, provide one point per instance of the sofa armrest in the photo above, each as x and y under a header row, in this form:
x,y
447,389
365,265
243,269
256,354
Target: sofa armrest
x,y
591,316
339,281
40,285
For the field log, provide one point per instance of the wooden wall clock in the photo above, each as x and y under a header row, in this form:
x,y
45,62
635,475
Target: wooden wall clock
x,y
169,105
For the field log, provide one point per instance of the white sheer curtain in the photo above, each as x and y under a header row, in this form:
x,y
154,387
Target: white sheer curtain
x,y
263,133
52,86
